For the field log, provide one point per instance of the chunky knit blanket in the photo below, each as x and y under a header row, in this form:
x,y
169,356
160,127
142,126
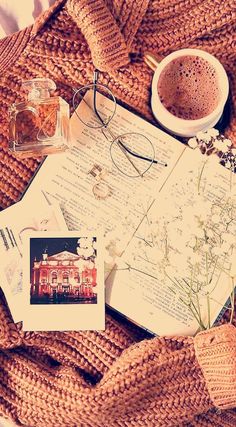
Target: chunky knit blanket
x,y
119,377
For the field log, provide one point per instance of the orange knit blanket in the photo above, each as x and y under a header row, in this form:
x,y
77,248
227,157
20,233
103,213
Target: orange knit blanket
x,y
119,377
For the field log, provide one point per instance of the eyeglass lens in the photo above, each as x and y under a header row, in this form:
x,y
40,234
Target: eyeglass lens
x,y
132,153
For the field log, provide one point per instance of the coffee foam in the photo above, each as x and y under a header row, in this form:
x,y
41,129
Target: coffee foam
x,y
188,87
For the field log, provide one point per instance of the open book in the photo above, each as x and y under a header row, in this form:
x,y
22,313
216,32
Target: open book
x,y
136,286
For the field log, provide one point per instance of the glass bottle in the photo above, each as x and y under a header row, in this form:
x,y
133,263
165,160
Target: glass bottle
x,y
40,125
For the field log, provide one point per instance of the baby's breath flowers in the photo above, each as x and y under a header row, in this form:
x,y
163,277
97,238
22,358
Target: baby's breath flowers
x,y
212,142
205,247
209,251
210,247
113,249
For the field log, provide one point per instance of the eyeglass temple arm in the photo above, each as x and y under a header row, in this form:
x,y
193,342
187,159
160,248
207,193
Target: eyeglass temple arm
x,y
95,80
124,150
132,153
121,146
141,157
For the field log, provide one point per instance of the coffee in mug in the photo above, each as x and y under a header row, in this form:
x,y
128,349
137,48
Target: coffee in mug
x,y
189,91
188,87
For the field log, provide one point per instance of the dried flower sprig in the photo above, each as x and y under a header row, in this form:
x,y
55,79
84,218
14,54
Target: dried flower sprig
x,y
211,252
212,142
213,243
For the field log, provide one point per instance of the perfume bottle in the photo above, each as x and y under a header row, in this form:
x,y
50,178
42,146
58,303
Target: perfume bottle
x,y
40,125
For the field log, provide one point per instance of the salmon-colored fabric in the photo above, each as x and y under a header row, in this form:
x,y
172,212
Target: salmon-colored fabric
x,y
215,350
120,377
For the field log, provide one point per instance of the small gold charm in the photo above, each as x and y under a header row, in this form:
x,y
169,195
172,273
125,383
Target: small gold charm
x,y
101,189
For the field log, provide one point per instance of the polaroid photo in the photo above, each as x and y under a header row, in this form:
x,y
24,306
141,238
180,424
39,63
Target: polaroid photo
x,y
63,281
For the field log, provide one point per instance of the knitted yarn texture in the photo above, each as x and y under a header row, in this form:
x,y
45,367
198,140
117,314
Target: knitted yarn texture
x,y
116,378
71,38
119,377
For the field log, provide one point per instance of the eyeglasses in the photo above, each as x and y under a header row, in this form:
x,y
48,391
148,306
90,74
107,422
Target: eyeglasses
x,y
132,153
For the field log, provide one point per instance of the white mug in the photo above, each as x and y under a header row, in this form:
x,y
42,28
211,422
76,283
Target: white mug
x,y
176,125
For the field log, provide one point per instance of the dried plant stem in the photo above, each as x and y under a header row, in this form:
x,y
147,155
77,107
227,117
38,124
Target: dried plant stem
x,y
232,298
175,282
222,270
231,179
208,311
197,314
207,273
214,268
129,267
219,303
199,310
148,243
228,223
218,278
194,312
190,305
147,260
200,176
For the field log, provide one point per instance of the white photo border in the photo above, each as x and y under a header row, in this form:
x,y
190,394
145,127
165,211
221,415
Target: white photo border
x,y
63,317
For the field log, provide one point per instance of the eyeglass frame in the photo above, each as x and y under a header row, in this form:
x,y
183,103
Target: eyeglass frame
x,y
115,139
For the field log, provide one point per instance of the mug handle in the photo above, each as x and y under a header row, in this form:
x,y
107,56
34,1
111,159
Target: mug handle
x,y
152,60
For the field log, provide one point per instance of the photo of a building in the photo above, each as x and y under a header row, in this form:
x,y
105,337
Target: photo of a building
x,y
64,277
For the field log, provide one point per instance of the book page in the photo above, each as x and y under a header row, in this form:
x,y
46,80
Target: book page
x,y
151,279
73,178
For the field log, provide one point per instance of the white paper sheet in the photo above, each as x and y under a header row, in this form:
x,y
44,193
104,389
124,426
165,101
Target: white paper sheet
x,y
15,221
